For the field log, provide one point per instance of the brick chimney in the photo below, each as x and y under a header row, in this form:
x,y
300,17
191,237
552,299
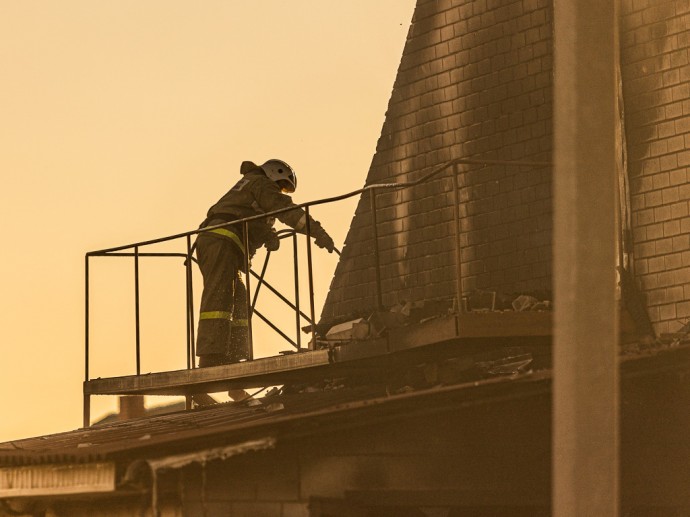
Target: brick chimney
x,y
131,406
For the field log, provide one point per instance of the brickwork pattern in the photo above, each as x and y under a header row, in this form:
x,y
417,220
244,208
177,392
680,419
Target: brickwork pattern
x,y
474,81
656,88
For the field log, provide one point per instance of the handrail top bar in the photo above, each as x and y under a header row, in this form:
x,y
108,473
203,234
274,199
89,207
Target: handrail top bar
x,y
282,234
387,186
132,254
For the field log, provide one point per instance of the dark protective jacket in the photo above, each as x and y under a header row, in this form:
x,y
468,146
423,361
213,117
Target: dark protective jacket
x,y
255,194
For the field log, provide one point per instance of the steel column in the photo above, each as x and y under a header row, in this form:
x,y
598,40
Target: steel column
x,y
586,390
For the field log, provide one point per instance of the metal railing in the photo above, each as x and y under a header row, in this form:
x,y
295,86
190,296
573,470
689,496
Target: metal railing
x,y
133,250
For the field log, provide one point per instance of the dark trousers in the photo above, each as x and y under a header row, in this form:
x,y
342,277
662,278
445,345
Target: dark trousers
x,y
223,312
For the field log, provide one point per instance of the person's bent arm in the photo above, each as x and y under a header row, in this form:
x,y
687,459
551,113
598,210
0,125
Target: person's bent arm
x,y
270,198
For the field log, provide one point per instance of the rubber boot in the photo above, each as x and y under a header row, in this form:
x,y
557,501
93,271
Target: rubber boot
x,y
238,348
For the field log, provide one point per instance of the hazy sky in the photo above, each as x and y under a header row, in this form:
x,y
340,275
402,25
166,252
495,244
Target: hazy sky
x,y
125,120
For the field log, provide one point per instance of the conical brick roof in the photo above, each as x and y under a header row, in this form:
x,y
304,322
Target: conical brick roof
x,y
475,81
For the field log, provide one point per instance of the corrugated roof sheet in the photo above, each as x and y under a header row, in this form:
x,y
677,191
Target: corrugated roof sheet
x,y
286,414
149,436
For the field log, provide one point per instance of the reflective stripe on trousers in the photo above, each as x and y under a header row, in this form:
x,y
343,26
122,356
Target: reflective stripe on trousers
x,y
223,315
215,315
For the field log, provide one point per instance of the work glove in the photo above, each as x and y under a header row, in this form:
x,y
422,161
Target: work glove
x,y
272,242
324,241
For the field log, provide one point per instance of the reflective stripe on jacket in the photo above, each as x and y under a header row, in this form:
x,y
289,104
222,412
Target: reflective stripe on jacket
x,y
230,235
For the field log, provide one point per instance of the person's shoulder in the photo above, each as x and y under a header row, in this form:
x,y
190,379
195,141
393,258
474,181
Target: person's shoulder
x,y
251,181
248,167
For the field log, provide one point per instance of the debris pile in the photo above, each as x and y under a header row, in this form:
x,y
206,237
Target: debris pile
x,y
493,301
375,323
508,362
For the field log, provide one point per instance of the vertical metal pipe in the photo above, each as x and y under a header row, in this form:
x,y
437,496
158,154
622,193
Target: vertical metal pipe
x,y
247,276
191,310
86,318
377,258
188,274
87,398
296,267
310,272
585,351
87,409
458,251
136,308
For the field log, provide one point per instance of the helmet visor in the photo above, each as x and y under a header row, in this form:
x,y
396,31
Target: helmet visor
x,y
286,186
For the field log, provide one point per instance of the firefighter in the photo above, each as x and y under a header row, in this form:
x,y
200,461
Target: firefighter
x,y
222,335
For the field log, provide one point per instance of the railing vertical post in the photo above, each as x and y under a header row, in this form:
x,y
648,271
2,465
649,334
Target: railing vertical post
x,y
310,272
87,397
136,308
190,323
191,309
456,229
377,258
296,267
247,276
86,318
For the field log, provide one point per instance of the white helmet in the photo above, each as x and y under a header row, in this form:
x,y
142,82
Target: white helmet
x,y
279,171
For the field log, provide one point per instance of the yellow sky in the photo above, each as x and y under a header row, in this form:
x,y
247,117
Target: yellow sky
x,y
124,121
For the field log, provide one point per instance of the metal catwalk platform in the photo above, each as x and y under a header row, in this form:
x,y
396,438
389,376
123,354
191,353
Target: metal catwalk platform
x,y
447,334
